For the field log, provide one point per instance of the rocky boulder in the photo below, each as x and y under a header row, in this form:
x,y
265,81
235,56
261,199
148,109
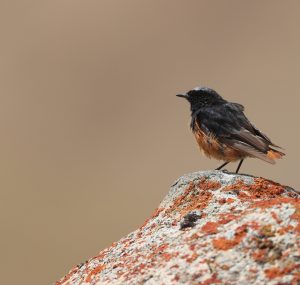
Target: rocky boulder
x,y
211,228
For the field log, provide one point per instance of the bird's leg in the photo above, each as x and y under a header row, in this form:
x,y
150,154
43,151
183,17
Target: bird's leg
x,y
220,167
239,166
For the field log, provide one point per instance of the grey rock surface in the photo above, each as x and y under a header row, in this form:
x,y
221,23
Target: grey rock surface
x,y
211,228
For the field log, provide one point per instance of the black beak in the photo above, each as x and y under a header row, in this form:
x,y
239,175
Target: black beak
x,y
183,96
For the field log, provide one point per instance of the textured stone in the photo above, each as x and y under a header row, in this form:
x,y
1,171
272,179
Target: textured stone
x,y
211,228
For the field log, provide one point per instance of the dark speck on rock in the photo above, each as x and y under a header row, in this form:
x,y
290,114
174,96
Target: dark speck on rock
x,y
80,265
189,220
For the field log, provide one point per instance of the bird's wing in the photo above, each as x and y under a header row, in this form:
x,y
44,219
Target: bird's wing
x,y
228,123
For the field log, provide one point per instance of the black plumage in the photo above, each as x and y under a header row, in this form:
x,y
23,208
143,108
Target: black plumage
x,y
216,118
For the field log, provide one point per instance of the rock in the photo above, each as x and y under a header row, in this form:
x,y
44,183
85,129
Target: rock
x,y
211,228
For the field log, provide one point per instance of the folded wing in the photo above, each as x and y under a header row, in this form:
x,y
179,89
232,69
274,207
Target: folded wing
x,y
228,123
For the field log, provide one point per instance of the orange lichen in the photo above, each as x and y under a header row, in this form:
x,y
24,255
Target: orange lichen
x,y
226,201
229,200
259,255
192,199
192,258
192,247
210,228
253,225
94,272
137,268
222,201
296,216
159,250
285,230
181,198
227,217
296,279
261,188
209,184
167,256
275,272
275,217
297,228
194,236
211,280
67,277
225,244
162,247
154,215
268,203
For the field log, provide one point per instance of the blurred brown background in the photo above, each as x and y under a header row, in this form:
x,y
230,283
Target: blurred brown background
x,y
92,135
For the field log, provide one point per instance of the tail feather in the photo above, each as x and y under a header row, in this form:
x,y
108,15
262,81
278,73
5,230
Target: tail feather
x,y
275,154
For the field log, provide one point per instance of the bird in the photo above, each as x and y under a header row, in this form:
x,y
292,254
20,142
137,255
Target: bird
x,y
223,131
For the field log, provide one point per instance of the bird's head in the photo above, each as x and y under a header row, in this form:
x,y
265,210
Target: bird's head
x,y
200,97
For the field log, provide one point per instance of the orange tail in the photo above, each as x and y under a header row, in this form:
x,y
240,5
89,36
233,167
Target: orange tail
x,y
275,154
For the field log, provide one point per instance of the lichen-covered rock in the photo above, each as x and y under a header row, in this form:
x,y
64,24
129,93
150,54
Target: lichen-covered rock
x,y
212,228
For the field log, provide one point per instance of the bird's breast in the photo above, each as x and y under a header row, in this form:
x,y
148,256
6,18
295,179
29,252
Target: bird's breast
x,y
211,146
